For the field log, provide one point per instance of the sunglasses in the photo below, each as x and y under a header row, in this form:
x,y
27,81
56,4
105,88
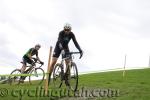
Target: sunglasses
x,y
67,30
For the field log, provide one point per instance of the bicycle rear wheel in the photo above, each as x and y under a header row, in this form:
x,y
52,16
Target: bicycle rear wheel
x,y
36,76
72,77
57,76
14,77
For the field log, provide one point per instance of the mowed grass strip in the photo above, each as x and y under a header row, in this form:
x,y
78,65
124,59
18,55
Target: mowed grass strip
x,y
134,86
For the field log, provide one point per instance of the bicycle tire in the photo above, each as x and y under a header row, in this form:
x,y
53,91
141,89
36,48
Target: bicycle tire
x,y
72,79
39,76
57,75
14,77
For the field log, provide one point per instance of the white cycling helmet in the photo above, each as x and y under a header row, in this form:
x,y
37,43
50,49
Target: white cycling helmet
x,y
67,26
38,45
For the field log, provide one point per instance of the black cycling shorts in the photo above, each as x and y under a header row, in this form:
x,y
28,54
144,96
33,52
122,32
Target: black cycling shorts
x,y
57,51
27,60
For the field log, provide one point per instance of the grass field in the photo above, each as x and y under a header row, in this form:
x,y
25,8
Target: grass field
x,y
104,86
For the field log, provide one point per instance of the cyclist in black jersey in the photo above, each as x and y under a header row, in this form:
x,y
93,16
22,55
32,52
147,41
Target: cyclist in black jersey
x,y
62,44
27,58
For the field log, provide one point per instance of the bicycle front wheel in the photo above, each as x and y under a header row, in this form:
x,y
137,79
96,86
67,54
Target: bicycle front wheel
x,y
57,76
72,76
36,76
14,77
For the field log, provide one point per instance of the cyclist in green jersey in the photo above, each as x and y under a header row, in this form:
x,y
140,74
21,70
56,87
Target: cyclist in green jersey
x,y
27,58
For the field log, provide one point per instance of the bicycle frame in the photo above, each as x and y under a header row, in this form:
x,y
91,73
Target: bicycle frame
x,y
31,67
64,75
70,58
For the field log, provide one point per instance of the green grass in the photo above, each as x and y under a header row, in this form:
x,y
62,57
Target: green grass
x,y
134,86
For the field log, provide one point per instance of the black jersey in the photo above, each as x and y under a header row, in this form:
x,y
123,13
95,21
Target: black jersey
x,y
65,38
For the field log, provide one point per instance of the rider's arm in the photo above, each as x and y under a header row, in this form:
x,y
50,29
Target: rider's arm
x,y
60,40
75,42
38,57
77,45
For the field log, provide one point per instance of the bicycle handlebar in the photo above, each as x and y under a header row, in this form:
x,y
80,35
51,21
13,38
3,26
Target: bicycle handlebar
x,y
69,54
72,53
36,61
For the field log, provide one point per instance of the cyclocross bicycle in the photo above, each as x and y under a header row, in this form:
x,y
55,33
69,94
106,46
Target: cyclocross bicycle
x,y
69,76
34,72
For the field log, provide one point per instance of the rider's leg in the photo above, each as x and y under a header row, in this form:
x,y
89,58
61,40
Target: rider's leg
x,y
54,60
23,68
56,54
67,63
25,61
22,71
67,72
67,67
